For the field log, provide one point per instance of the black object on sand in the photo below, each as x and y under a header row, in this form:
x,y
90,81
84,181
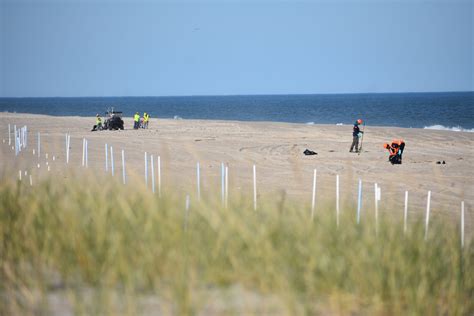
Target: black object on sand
x,y
308,152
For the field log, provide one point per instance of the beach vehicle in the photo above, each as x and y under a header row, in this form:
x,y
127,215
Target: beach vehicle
x,y
113,120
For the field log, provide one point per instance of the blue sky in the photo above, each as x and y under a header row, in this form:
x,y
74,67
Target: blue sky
x,y
153,48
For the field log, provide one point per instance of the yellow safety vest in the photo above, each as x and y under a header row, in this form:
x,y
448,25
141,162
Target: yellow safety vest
x,y
137,118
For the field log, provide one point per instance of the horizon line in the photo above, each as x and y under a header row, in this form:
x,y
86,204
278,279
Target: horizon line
x,y
233,95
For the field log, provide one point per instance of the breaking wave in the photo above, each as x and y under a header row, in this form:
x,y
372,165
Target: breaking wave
x,y
447,128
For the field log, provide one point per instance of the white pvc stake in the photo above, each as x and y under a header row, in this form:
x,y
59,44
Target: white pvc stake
x,y
19,174
33,152
427,221
39,145
146,169
359,201
313,198
152,164
376,192
226,186
405,213
123,167
68,145
26,136
198,181
31,181
159,176
83,152
186,214
49,168
337,200
222,182
254,187
462,224
87,153
106,147
9,136
16,145
46,155
112,169
16,140
54,158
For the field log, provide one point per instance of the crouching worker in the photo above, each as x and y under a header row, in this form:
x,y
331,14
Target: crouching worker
x,y
98,123
395,150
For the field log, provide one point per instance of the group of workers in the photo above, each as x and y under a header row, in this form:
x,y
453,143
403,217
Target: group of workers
x,y
395,148
138,122
141,122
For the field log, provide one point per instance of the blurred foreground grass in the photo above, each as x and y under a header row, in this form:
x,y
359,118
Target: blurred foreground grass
x,y
88,246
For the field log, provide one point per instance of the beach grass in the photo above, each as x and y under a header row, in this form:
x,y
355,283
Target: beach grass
x,y
95,246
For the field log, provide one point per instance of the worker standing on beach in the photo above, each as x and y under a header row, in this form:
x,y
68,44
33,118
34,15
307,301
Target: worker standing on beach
x,y
146,118
356,132
136,119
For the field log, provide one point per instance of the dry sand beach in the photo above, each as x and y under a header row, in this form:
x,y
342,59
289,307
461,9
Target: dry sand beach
x,y
277,151
284,174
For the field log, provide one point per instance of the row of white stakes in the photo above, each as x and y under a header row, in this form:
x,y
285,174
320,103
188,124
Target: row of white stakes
x,y
225,190
20,137
21,141
377,198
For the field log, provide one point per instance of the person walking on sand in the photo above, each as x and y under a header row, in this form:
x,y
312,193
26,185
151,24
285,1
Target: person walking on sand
x,y
136,119
355,136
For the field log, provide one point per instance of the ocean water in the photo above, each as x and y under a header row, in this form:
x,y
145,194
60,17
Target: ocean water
x,y
453,110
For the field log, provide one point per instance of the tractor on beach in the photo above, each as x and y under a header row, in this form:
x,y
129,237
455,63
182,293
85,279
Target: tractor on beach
x,y
113,120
